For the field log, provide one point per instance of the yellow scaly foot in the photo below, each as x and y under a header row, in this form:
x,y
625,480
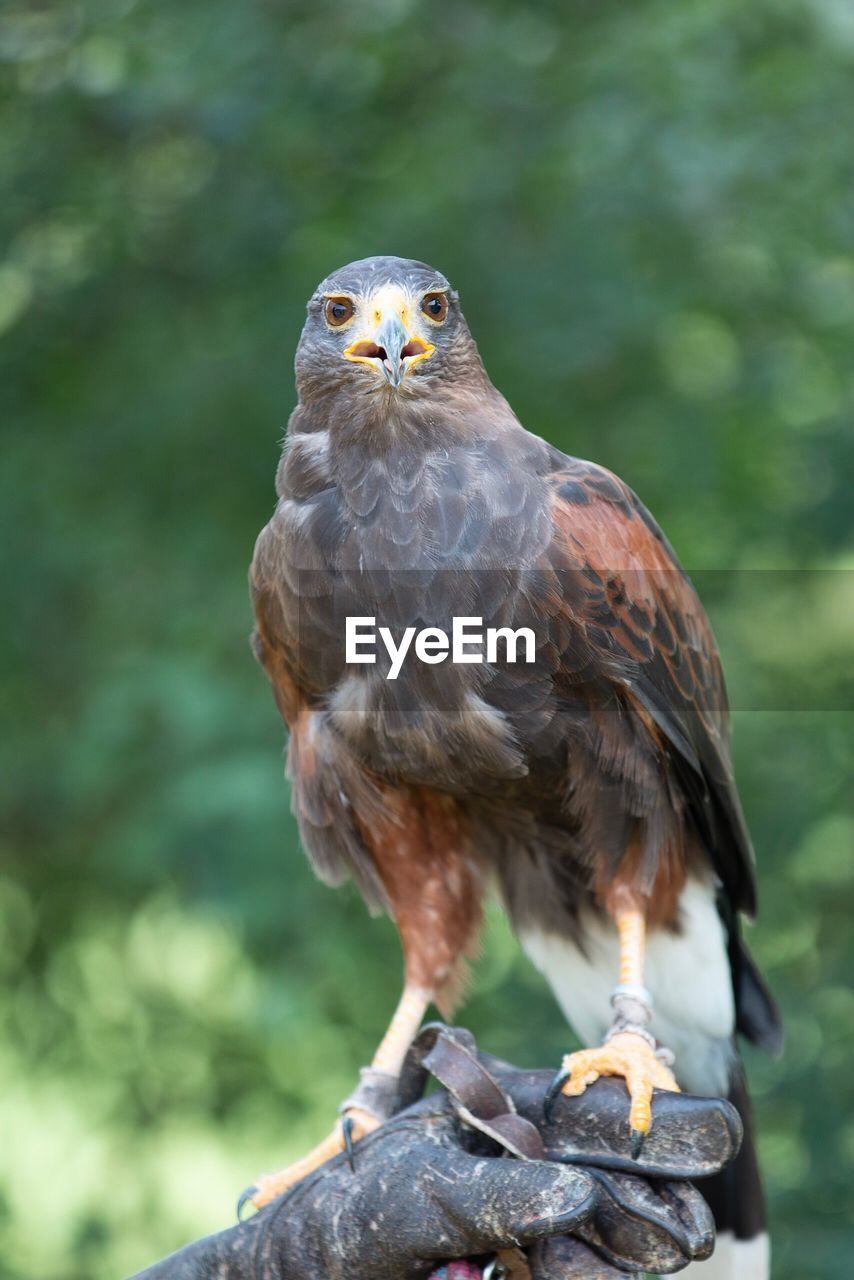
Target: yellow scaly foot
x,y
268,1186
630,1054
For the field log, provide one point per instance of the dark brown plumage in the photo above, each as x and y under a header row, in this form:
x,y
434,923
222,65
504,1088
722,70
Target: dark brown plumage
x,y
596,779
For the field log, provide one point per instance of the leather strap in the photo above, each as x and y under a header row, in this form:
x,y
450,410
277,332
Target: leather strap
x,y
450,1055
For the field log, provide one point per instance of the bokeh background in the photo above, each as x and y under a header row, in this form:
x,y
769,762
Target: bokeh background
x,y
648,210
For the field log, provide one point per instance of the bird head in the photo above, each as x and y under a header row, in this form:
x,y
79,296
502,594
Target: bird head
x,y
385,325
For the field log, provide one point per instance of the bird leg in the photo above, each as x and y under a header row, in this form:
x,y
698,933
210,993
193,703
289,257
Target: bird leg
x,y
373,1098
366,1108
629,1049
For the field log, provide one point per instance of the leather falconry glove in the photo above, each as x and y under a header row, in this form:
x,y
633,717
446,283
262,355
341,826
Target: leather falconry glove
x,y
473,1172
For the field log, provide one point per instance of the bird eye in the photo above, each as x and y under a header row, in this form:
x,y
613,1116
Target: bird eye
x,y
338,311
435,306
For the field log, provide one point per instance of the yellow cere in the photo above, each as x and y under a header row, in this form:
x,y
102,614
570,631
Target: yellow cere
x,y
388,300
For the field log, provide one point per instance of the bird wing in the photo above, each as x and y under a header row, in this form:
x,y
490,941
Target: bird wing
x,y
333,798
642,621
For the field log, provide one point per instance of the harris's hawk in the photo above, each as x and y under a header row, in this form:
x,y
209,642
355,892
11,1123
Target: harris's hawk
x,y
590,785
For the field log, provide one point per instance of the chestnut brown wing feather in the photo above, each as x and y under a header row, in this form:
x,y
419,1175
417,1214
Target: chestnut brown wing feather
x,y
642,619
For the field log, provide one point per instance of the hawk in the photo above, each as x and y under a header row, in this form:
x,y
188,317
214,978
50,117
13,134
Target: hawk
x,y
589,786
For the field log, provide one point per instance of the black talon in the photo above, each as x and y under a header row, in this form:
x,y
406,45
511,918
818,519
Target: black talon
x,y
347,1132
637,1143
553,1091
245,1198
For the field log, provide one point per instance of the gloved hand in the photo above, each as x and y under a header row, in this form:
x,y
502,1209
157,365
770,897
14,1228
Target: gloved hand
x,y
433,1184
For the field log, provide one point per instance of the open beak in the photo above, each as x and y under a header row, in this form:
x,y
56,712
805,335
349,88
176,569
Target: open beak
x,y
393,350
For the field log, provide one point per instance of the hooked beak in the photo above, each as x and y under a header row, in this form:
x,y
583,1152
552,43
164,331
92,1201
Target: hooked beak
x,y
393,349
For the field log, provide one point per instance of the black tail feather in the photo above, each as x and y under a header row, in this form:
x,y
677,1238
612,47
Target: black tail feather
x,y
735,1196
758,1018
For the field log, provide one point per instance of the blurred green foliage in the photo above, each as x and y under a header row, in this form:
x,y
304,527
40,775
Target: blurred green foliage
x,y
648,210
